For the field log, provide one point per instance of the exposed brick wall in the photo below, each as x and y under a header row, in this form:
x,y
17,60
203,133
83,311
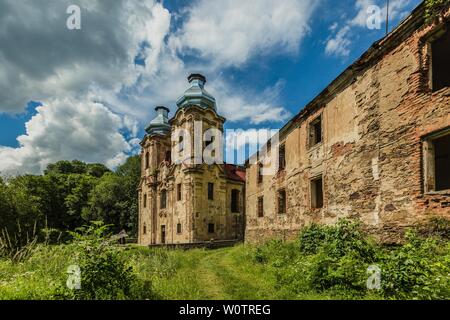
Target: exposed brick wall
x,y
371,154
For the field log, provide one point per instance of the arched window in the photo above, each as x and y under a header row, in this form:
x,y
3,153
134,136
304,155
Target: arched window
x,y
145,201
147,160
144,229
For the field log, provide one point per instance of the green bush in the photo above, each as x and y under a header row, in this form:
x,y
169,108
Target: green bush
x,y
312,238
340,255
104,272
419,269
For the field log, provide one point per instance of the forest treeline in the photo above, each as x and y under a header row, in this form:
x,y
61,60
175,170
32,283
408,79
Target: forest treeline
x,y
69,195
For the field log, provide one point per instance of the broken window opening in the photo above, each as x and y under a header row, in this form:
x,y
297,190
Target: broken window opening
x,y
440,55
315,132
317,193
282,201
163,203
210,191
260,173
235,201
282,158
436,161
260,207
179,192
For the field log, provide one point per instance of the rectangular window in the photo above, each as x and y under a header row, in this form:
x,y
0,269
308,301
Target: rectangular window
x,y
440,50
235,201
168,157
315,132
282,157
144,229
147,160
211,191
179,228
437,160
282,201
211,228
317,193
179,192
260,207
145,201
260,173
163,203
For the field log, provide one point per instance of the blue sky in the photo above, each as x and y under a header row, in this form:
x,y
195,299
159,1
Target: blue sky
x,y
274,69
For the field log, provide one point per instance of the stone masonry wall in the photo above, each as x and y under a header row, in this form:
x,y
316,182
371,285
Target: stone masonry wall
x,y
370,157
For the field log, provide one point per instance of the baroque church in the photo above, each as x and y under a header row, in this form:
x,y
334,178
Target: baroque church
x,y
183,202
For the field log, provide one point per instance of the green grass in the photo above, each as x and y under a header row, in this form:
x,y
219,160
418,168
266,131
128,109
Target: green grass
x,y
200,274
335,269
223,274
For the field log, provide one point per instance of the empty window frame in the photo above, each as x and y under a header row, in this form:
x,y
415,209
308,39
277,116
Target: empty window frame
x,y
440,60
210,191
144,229
145,201
260,173
315,132
282,201
211,228
147,160
437,162
168,157
163,199
179,228
317,193
282,158
179,192
260,208
235,200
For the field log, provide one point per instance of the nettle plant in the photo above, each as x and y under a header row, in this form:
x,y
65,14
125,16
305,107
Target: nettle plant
x,y
433,8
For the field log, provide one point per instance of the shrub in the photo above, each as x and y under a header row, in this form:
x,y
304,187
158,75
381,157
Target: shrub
x,y
436,227
312,238
345,237
104,272
417,270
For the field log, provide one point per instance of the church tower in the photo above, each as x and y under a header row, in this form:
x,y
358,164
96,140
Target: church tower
x,y
183,196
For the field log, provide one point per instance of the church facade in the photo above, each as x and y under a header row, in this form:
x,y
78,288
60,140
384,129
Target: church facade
x,y
181,200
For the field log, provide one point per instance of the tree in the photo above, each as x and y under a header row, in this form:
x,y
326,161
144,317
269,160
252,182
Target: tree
x,y
109,202
76,167
114,199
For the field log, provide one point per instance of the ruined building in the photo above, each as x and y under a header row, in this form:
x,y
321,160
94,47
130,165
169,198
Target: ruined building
x,y
374,145
182,202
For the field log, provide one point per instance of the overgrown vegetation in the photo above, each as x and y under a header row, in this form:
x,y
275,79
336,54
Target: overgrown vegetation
x,y
45,208
326,262
434,7
334,260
